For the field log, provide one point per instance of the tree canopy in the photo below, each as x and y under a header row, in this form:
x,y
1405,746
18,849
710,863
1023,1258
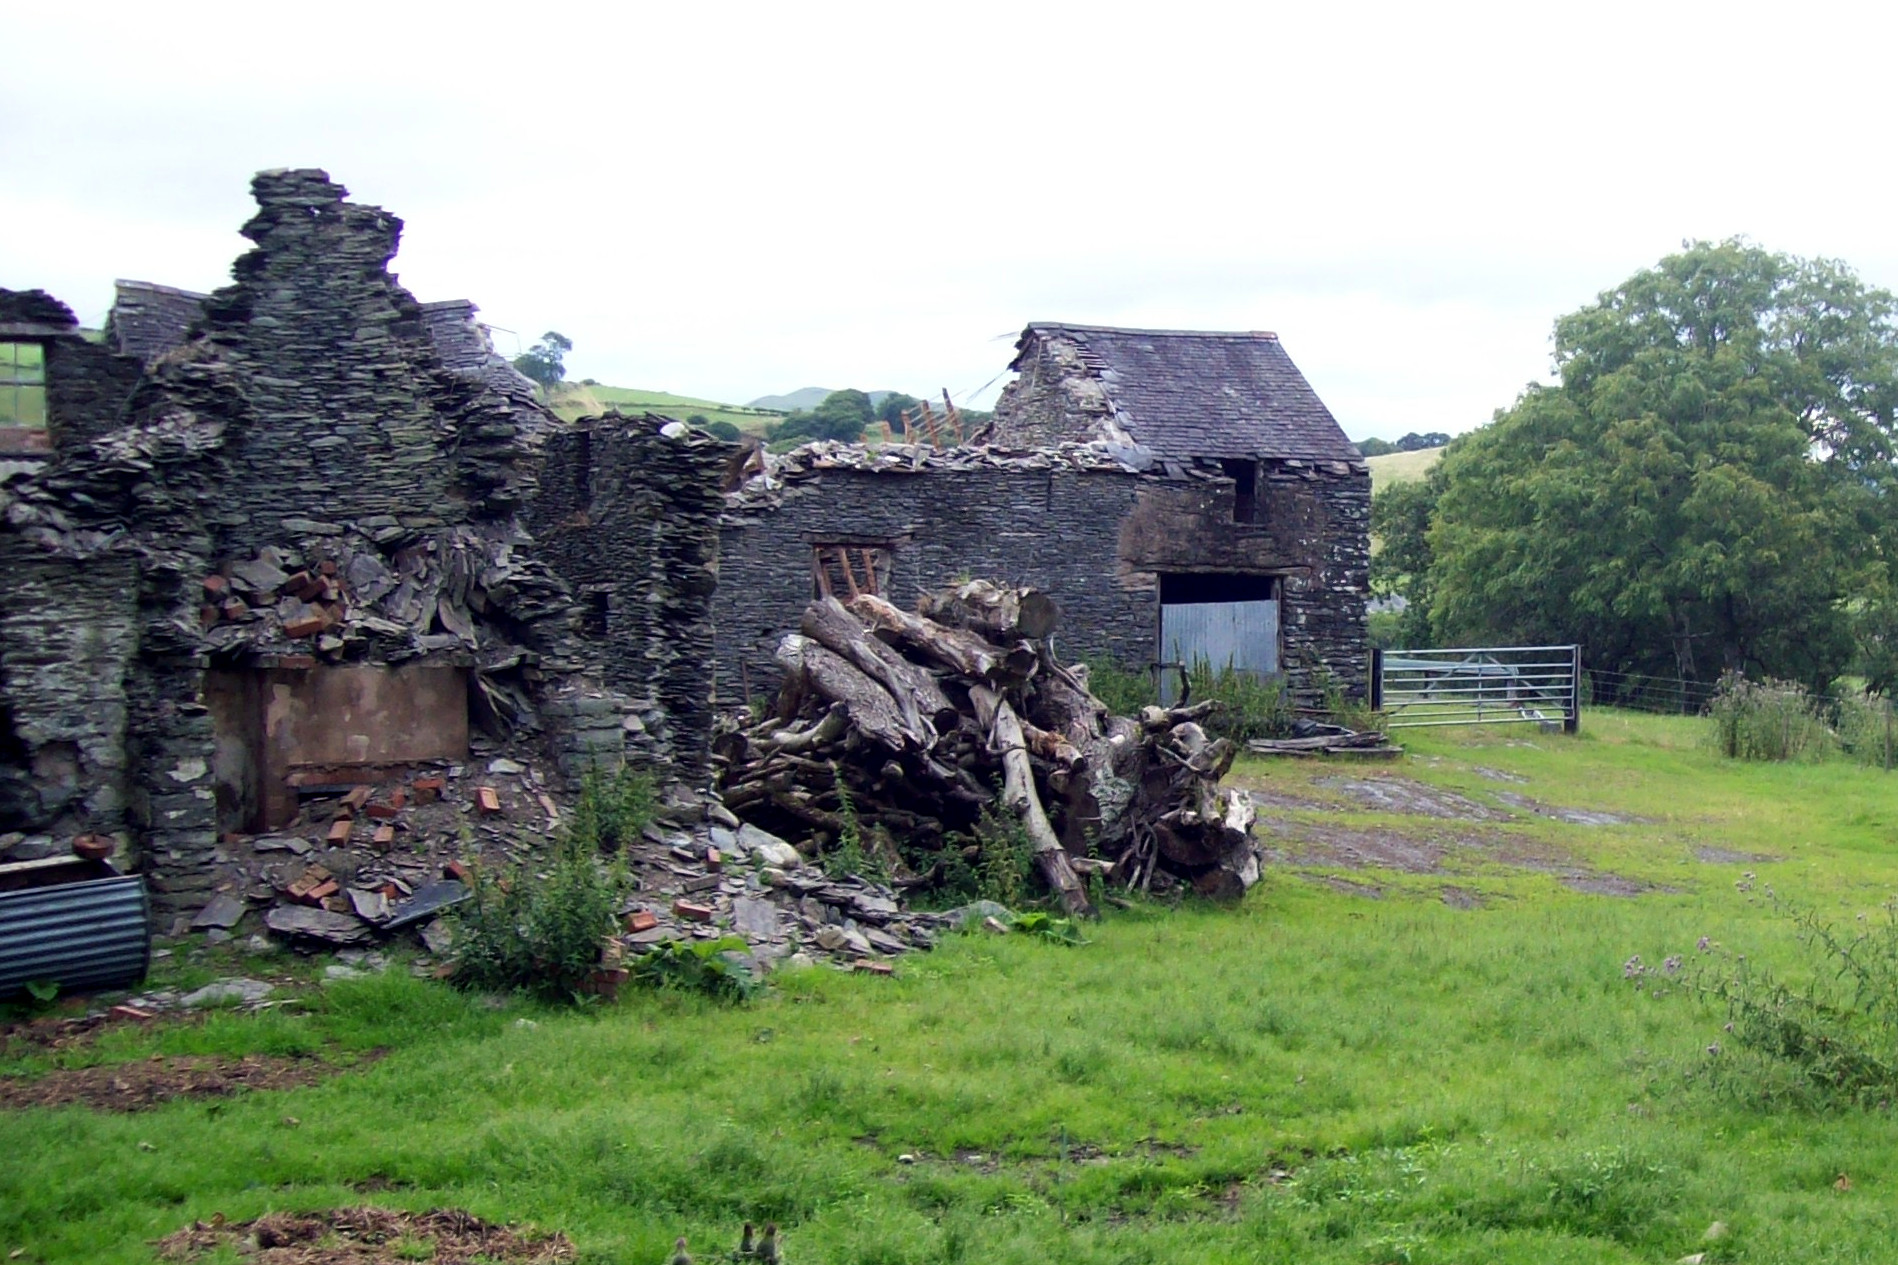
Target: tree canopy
x,y
1707,488
1413,442
841,415
545,361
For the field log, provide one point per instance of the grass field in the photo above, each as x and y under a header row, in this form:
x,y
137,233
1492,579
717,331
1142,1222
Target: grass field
x,y
576,401
1401,467
1426,1064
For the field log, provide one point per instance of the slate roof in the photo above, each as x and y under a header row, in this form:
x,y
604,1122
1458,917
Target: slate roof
x,y
463,345
1190,393
147,319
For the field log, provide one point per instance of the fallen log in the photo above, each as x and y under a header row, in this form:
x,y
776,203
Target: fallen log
x,y
957,649
871,710
916,727
916,692
997,613
1018,792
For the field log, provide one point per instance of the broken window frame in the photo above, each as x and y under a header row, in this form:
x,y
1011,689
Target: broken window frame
x,y
23,398
846,568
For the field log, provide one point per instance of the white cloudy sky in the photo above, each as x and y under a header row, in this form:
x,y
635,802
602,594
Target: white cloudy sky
x,y
733,200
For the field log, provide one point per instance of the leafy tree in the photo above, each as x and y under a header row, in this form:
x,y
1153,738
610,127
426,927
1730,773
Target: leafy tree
x,y
724,430
841,415
893,406
1706,489
1375,447
1401,514
544,362
1414,442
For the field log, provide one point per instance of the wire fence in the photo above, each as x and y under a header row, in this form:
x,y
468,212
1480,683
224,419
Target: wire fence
x,y
1643,693
1861,725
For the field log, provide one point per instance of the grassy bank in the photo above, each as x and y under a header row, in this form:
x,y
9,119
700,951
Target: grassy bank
x,y
1401,467
576,400
1350,1067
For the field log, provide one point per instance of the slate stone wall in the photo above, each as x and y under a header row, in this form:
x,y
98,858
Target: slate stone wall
x,y
87,389
1311,531
68,630
1097,541
309,419
628,511
352,416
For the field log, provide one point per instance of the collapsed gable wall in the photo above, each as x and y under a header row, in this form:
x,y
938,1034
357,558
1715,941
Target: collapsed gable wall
x,y
352,416
300,487
1055,398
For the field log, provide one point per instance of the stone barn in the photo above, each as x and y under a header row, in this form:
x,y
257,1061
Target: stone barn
x,y
1184,495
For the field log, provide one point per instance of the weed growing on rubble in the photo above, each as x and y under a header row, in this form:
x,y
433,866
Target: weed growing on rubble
x,y
613,808
848,855
539,930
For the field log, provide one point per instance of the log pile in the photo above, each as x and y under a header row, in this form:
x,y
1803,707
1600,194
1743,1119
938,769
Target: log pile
x,y
911,724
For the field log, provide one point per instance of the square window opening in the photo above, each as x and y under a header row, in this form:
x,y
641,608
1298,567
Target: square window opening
x,y
845,570
1245,489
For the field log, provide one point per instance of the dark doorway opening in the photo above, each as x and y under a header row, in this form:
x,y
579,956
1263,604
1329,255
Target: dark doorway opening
x,y
1192,586
1245,489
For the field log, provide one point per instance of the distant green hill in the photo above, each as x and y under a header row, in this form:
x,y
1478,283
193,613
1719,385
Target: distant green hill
x,y
1401,467
576,400
807,398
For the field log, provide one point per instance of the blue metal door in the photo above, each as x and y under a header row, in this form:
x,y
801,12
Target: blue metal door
x,y
1243,636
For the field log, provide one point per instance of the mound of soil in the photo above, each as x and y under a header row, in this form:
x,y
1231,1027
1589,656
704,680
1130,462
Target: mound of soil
x,y
149,1082
367,1236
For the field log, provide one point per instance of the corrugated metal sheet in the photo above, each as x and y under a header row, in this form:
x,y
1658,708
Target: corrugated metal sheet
x,y
1240,635
90,934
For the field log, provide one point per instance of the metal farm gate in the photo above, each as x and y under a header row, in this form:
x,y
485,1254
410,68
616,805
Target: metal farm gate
x,y
1488,685
1241,635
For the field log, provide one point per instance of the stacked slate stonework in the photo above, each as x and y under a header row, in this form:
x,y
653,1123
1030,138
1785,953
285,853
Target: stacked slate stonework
x,y
632,523
309,469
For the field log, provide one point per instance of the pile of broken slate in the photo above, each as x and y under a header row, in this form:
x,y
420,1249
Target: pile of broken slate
x,y
379,865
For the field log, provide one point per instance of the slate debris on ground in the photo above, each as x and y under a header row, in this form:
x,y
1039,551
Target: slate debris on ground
x,y
698,873
763,892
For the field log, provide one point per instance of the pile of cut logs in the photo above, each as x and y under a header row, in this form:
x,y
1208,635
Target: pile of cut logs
x,y
911,724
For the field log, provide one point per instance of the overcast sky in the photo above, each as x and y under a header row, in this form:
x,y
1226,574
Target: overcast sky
x,y
730,201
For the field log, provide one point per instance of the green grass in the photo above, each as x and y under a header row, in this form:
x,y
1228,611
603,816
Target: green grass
x,y
1311,1077
576,401
1401,467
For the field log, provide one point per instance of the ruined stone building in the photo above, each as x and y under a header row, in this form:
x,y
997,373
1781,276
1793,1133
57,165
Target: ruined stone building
x,y
305,526
305,530
1185,496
